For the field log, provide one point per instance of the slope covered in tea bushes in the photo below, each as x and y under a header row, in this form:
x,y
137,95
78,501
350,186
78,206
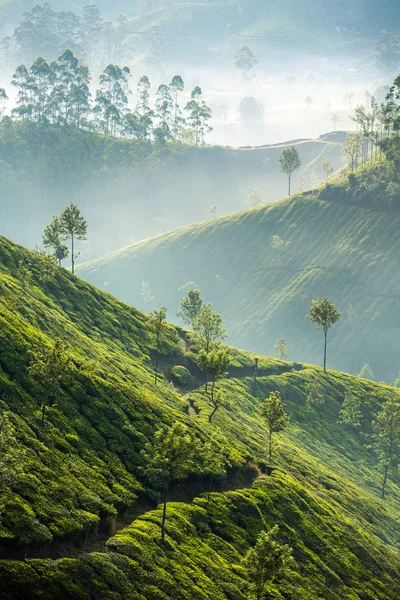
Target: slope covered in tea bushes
x,y
79,473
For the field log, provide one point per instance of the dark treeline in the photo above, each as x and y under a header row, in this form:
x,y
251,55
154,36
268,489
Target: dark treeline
x,y
59,93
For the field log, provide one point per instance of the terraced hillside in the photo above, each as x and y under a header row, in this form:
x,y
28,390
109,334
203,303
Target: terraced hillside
x,y
80,477
263,284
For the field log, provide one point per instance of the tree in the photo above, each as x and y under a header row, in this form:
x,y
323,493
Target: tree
x,y
350,413
388,52
281,349
52,239
275,416
49,365
199,115
315,398
176,87
213,210
308,101
289,161
245,61
70,96
74,227
215,364
268,561
190,307
143,120
164,109
209,327
251,111
112,99
367,373
158,326
327,167
386,438
351,150
335,120
255,197
325,315
171,455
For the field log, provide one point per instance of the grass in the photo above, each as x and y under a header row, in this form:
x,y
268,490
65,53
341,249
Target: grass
x,y
84,467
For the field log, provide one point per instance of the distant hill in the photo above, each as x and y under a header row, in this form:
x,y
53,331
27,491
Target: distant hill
x,y
336,249
129,190
78,516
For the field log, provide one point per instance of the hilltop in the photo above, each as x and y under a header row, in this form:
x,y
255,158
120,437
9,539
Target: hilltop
x,y
130,189
82,473
339,242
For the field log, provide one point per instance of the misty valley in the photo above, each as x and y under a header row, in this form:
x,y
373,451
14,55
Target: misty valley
x,y
199,300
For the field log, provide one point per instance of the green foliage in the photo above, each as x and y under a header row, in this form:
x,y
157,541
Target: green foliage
x,y
52,239
350,413
281,349
275,417
209,327
315,398
367,373
268,561
190,307
289,161
325,315
215,364
182,377
387,437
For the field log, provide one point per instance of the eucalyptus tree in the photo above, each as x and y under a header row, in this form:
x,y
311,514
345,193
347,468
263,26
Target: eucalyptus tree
x,y
325,315
176,87
199,115
73,226
112,99
70,97
52,238
289,162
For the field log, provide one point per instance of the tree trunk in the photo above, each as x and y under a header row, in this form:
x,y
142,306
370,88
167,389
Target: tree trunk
x,y
270,448
384,481
212,414
325,344
290,183
72,254
255,371
164,516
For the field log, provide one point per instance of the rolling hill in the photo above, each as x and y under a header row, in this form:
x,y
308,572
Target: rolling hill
x,y
152,189
78,518
263,284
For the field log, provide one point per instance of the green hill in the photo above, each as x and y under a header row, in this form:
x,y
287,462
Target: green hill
x,y
152,188
264,285
79,477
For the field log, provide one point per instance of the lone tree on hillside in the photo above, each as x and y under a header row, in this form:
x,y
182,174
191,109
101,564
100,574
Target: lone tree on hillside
x,y
281,349
350,413
255,197
52,239
275,416
171,455
215,364
289,161
190,307
325,315
367,373
245,61
268,561
49,365
327,167
158,327
386,428
315,398
74,227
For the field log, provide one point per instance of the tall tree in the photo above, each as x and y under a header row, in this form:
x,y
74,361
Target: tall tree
x,y
143,110
215,364
209,327
386,436
164,110
281,349
289,161
267,562
245,61
325,315
199,115
190,307
52,238
176,87
170,456
351,150
350,413
112,99
73,227
159,328
49,366
275,416
70,98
